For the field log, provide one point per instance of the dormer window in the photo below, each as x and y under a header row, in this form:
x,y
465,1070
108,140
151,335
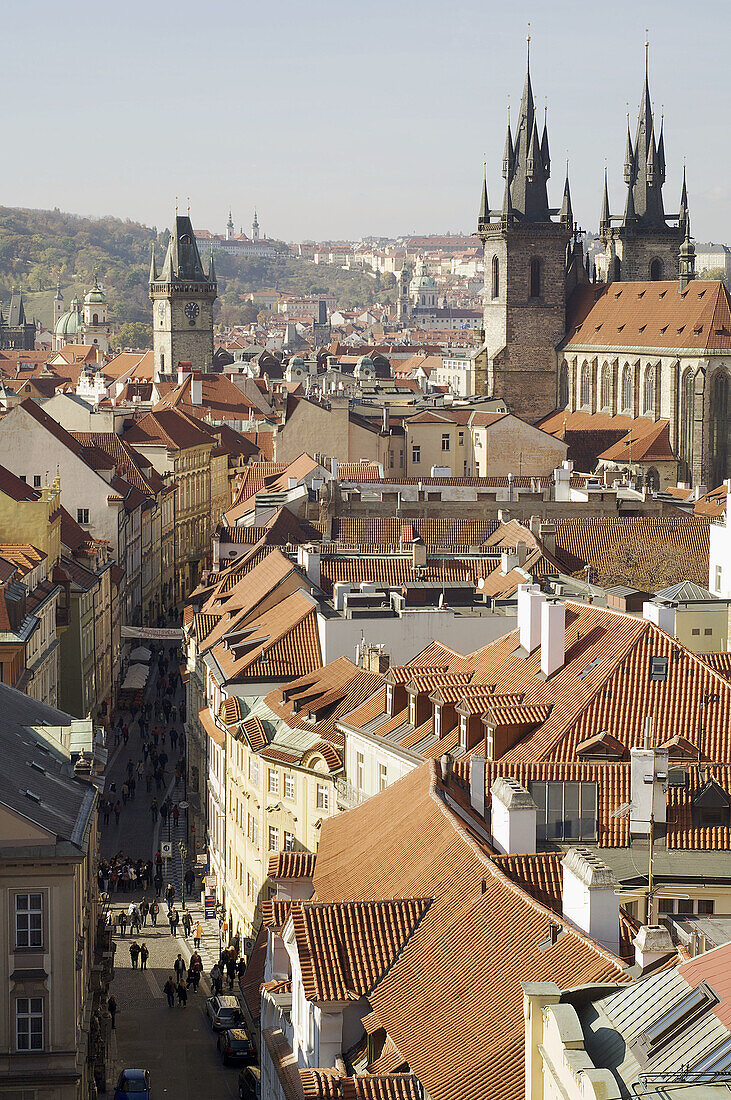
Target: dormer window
x,y
412,710
463,731
389,699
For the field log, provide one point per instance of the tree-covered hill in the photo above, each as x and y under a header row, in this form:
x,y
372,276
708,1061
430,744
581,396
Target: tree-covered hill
x,y
40,247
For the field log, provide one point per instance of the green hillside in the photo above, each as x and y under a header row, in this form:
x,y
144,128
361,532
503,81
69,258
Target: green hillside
x,y
40,247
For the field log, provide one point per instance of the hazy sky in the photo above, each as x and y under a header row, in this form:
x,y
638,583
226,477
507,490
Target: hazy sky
x,y
340,119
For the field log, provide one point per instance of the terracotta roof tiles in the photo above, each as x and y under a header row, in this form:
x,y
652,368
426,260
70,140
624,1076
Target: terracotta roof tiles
x,y
288,865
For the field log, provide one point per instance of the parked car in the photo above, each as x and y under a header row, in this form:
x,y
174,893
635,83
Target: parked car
x,y
133,1082
250,1083
223,1012
235,1046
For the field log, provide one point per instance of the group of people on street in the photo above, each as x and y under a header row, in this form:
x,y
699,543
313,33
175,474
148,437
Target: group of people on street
x,y
229,966
187,976
135,915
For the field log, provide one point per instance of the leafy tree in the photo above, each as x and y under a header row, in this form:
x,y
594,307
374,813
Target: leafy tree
x,y
133,334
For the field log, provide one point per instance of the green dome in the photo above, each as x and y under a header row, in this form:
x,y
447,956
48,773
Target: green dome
x,y
423,282
296,361
68,323
365,363
96,297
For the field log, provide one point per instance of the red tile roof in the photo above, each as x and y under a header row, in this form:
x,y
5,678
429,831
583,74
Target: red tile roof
x,y
288,865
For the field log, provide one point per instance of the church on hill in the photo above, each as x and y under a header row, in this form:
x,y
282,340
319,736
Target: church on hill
x,y
648,344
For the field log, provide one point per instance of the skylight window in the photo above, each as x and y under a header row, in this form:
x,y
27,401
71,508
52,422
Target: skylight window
x,y
658,668
592,665
678,1017
641,294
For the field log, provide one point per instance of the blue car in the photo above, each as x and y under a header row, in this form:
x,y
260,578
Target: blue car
x,y
133,1082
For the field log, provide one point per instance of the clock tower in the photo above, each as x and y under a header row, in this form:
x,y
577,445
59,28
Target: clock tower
x,y
182,296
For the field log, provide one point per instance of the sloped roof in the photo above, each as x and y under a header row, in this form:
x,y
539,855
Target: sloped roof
x,y
169,427
651,315
651,445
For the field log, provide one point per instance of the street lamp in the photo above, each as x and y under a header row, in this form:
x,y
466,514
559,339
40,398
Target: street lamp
x,y
183,853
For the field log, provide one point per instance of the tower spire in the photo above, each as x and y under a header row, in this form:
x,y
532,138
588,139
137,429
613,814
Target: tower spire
x,y
545,154
566,216
508,152
687,257
604,217
153,264
683,213
484,217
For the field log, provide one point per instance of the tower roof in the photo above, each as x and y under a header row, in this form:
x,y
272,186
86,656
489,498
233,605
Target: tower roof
x,y
16,313
647,167
182,260
526,163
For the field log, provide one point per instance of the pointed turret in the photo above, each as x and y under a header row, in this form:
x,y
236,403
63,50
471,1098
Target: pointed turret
x,y
630,214
508,154
661,152
528,194
646,178
604,217
629,158
211,270
683,213
484,216
686,257
651,166
566,215
545,153
153,265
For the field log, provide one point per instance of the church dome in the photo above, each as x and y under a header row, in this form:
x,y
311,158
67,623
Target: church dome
x,y
96,296
68,323
296,361
423,282
365,363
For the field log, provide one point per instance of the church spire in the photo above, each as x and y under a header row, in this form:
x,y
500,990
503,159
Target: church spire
x,y
508,152
566,215
604,217
211,270
153,265
647,174
661,151
527,182
687,257
683,213
545,153
484,217
629,158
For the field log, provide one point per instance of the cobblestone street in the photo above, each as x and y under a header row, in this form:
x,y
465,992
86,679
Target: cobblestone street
x,y
177,1045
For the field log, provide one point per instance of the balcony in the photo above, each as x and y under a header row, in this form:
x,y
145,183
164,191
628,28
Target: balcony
x,y
348,796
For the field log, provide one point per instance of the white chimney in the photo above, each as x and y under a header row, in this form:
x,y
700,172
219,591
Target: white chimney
x,y
553,636
522,551
340,591
513,818
652,943
589,898
661,614
649,773
530,599
508,561
196,390
308,558
477,784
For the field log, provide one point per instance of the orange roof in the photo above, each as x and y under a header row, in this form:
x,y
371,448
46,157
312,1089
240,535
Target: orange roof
x,y
209,725
651,445
651,315
345,948
406,840
288,865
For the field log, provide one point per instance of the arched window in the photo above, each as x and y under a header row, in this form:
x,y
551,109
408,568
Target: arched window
x,y
495,277
606,387
535,278
563,386
95,319
720,427
652,479
627,389
687,394
648,391
585,384
656,270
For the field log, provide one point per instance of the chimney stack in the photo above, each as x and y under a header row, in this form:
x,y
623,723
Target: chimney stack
x,y
649,777
589,898
661,614
652,943
508,561
553,636
530,599
309,558
514,816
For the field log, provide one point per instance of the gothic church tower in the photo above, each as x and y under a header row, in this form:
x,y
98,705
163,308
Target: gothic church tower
x,y
182,296
640,245
532,260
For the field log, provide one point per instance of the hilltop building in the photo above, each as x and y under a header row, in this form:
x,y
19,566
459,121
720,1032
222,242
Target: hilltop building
x,y
238,244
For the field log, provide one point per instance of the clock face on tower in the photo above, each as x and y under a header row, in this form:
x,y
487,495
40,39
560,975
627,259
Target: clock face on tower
x,y
192,309
161,310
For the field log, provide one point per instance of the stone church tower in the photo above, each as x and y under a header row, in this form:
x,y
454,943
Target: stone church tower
x,y
532,262
640,245
182,296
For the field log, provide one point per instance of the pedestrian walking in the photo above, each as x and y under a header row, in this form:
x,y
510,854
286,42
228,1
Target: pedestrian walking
x,y
135,922
106,809
154,809
125,794
169,991
187,923
113,1010
241,967
144,956
170,895
231,971
122,922
154,910
179,967
158,884
134,953
132,784
182,994
117,811
189,880
216,979
196,965
144,910
172,922
197,933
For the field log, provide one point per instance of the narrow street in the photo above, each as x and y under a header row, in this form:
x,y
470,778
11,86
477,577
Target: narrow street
x,y
176,1045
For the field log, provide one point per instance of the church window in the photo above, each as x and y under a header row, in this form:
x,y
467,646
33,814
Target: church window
x,y
656,270
686,424
563,386
535,278
606,387
495,277
720,427
95,319
627,388
585,384
648,394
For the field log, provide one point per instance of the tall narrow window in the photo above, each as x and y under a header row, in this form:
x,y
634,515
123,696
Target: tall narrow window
x,y
585,384
687,394
627,388
495,277
720,427
606,388
535,278
656,270
648,392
